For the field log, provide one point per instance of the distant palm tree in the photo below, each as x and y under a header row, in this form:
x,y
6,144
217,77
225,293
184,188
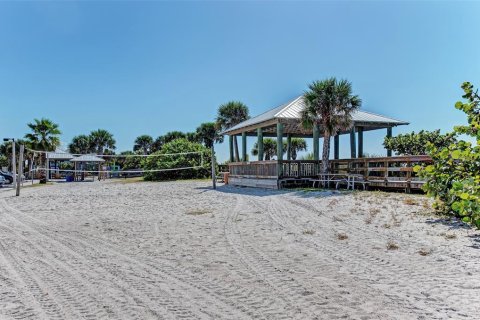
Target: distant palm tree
x,y
44,136
269,148
173,135
329,104
297,145
208,134
143,143
80,144
100,140
229,115
158,144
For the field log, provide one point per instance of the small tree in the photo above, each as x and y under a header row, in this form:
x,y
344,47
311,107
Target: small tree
x,y
229,115
297,145
416,143
143,143
454,177
329,104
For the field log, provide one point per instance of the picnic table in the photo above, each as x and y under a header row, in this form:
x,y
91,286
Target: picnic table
x,y
338,178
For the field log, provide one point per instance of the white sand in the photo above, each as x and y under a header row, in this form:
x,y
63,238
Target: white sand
x,y
109,250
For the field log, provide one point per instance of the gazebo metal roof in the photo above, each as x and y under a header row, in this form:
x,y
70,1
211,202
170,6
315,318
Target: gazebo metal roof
x,y
87,158
290,114
59,154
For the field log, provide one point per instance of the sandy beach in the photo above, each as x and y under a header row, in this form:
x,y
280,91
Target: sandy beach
x,y
179,250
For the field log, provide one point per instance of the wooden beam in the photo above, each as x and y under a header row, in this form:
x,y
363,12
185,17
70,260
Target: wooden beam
x,y
244,146
360,142
289,147
260,143
353,144
230,144
336,147
389,135
316,143
279,148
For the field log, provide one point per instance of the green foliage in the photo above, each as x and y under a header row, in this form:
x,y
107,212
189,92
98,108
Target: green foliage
x,y
269,148
100,140
44,134
4,161
176,161
454,177
208,134
80,145
416,143
143,143
329,104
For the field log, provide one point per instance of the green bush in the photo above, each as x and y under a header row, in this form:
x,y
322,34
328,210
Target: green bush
x,y
176,161
454,177
416,143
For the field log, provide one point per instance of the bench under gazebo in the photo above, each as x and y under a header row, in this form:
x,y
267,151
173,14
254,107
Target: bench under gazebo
x,y
284,122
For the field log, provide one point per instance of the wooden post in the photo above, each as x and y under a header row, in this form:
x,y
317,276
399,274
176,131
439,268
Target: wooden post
x,y
230,143
389,135
316,143
14,164
20,169
360,142
260,144
279,148
336,147
244,146
47,167
289,147
214,178
353,144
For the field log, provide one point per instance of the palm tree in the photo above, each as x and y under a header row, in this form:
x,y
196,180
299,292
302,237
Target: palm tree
x,y
329,104
144,143
269,148
174,135
158,144
100,140
45,134
229,115
207,133
80,144
297,145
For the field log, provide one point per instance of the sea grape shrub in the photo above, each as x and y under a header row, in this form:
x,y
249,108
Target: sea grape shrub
x,y
454,177
176,154
416,143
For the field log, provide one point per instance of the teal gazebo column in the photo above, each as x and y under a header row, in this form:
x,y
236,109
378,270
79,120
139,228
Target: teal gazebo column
x,y
389,135
230,144
279,148
353,144
336,147
360,142
260,144
316,143
289,147
244,146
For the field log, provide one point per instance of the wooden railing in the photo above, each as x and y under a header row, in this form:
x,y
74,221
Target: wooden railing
x,y
385,171
254,169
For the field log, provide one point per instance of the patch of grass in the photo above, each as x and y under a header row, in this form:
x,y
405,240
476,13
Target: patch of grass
x,y
410,202
387,226
342,236
450,236
130,180
309,232
424,251
392,245
197,212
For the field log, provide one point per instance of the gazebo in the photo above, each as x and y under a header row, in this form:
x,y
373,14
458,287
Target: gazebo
x,y
284,121
80,163
57,157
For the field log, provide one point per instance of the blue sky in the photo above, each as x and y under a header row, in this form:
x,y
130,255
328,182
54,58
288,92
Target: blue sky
x,y
150,67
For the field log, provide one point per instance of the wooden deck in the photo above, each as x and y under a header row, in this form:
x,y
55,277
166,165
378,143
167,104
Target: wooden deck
x,y
385,172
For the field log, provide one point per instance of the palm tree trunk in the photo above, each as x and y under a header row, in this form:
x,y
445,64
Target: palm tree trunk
x,y
326,152
237,157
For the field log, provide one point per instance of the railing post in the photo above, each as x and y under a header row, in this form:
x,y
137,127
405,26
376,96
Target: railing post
x,y
260,144
279,148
